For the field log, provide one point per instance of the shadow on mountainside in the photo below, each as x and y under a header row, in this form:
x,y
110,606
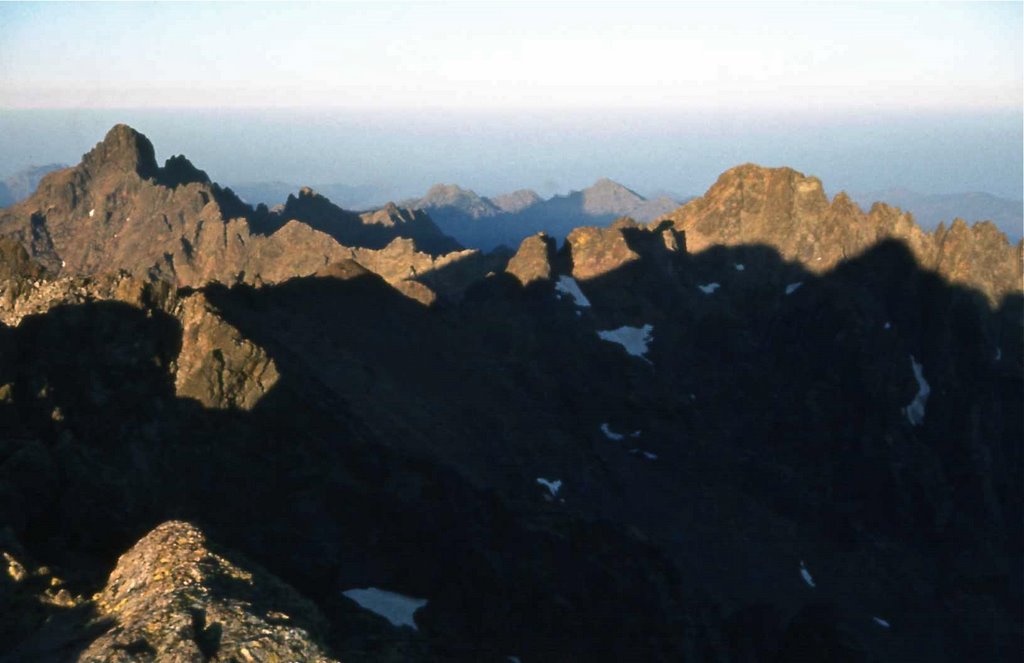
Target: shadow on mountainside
x,y
402,445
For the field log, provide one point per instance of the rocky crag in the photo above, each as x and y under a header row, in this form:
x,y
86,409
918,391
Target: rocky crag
x,y
684,440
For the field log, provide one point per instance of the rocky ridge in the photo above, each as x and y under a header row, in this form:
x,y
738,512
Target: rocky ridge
x,y
119,209
783,209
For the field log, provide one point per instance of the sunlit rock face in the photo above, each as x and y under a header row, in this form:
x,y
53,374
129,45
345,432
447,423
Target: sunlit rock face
x,y
788,211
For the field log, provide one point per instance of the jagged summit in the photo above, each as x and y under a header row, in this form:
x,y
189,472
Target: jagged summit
x,y
789,211
118,209
123,148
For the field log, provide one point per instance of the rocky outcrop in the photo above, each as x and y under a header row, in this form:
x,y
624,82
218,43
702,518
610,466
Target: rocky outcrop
x,y
534,260
597,251
20,298
216,365
175,597
783,209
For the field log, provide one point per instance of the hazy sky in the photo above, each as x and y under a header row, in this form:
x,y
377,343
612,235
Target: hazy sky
x,y
493,55
550,96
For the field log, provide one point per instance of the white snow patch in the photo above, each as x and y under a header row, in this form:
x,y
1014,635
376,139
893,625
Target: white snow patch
x,y
793,287
633,339
92,213
64,263
552,486
635,433
915,410
739,267
709,288
888,325
646,454
881,622
610,434
568,285
396,608
806,574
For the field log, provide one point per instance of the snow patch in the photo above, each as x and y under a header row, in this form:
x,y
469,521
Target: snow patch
x,y
888,325
915,410
709,288
635,433
552,486
567,285
92,213
881,622
999,354
739,267
793,287
396,608
633,339
806,574
646,454
610,434
64,263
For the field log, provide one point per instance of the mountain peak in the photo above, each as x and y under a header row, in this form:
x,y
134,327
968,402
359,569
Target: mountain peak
x,y
124,148
607,196
452,195
607,184
517,200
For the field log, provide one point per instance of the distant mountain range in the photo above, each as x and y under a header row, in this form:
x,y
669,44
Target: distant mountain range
x,y
21,184
487,223
276,192
932,209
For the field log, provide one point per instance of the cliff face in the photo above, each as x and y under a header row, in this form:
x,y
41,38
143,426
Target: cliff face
x,y
784,209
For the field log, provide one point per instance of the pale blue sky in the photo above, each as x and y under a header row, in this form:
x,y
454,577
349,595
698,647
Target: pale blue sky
x,y
550,96
489,55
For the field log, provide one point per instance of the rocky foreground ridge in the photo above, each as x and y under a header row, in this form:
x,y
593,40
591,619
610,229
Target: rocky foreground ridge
x,y
684,440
